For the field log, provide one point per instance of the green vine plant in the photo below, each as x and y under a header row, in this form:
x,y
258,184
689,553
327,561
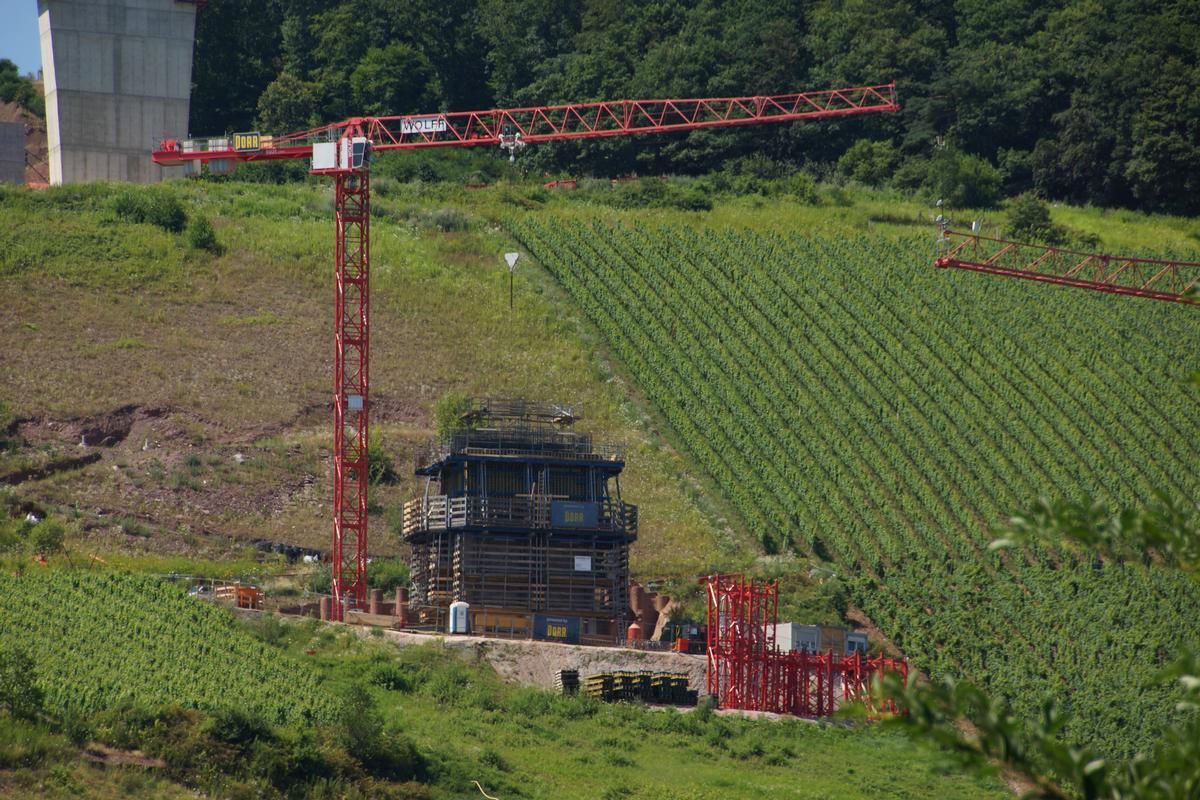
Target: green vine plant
x,y
985,732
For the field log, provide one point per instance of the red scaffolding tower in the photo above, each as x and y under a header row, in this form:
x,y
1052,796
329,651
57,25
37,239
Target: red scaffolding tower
x,y
746,670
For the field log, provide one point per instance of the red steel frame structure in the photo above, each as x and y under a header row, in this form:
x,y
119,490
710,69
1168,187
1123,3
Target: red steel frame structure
x,y
549,123
741,638
1157,279
508,128
352,244
747,671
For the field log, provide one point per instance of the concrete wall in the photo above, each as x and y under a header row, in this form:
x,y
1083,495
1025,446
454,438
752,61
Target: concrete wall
x,y
118,77
12,152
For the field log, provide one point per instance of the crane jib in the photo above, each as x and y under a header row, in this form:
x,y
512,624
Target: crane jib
x,y
534,124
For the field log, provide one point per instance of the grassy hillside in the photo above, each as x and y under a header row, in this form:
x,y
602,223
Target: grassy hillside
x,y
854,402
201,378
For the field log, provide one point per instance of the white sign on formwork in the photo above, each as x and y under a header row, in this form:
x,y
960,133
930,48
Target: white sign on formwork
x,y
423,125
583,563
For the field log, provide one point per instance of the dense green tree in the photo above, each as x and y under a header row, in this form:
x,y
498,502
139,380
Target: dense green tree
x,y
236,58
1082,100
520,36
868,162
396,79
288,104
1029,221
962,180
16,88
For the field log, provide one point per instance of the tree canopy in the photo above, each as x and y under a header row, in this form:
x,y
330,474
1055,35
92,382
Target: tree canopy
x,y
1077,100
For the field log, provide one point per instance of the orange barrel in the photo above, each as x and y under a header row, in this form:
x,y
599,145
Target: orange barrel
x,y
326,604
633,633
376,600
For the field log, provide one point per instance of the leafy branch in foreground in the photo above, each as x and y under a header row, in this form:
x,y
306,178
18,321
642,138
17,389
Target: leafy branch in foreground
x,y
984,731
1170,527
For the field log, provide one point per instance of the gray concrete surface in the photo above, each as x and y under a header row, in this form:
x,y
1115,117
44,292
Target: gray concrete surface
x,y
12,152
118,78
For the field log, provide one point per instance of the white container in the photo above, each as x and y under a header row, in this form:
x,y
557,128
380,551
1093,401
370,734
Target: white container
x,y
803,638
460,618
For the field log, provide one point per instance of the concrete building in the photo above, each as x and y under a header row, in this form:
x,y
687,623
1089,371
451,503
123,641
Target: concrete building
x,y
12,152
118,77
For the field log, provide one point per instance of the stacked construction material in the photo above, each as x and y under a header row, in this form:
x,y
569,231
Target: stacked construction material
x,y
671,688
666,688
599,686
567,681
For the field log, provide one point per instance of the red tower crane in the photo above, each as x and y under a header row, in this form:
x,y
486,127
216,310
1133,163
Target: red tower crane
x,y
341,150
1158,279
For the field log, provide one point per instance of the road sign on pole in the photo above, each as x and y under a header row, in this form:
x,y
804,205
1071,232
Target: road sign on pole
x,y
511,260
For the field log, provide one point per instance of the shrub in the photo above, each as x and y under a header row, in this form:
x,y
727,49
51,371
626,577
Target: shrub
x,y
234,726
28,744
380,469
18,693
47,537
201,235
13,534
153,207
800,186
387,574
321,580
868,162
1029,220
392,677
692,199
449,220
448,411
962,180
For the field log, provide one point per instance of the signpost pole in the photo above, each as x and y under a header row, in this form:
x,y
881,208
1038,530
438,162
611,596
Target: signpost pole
x,y
511,260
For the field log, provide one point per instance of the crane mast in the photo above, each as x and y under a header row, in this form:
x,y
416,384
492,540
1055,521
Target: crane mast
x,y
341,150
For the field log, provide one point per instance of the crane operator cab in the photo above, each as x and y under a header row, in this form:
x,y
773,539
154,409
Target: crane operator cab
x,y
351,153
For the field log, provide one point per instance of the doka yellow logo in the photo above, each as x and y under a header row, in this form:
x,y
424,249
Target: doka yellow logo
x,y
246,141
